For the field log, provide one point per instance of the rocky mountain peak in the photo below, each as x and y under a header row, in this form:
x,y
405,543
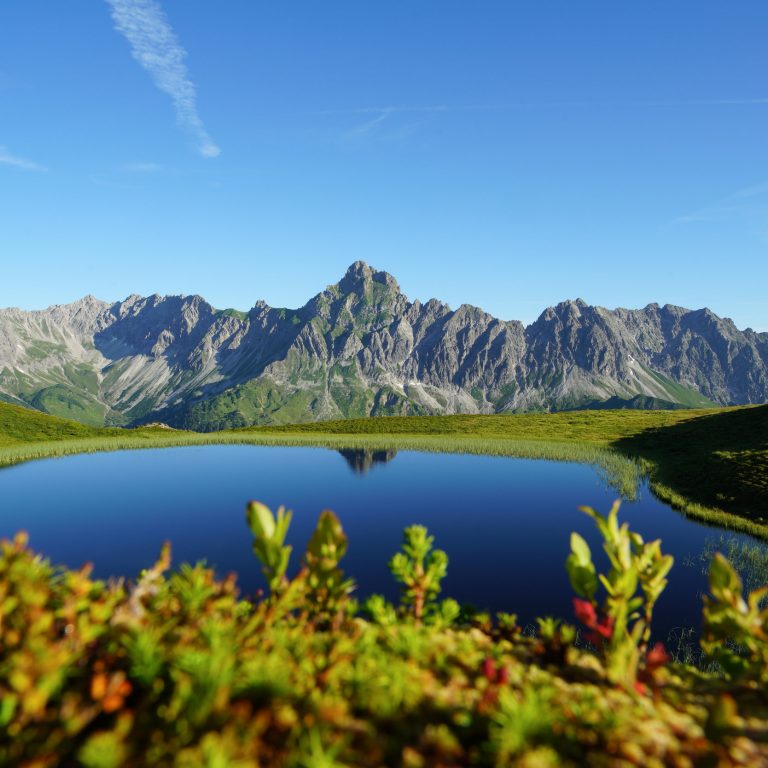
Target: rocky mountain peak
x,y
81,315
359,276
360,347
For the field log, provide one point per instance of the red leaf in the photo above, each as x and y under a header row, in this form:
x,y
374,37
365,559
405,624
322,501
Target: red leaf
x,y
656,657
489,670
605,627
585,612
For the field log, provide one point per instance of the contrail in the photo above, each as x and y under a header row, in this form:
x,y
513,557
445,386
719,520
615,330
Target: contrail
x,y
155,46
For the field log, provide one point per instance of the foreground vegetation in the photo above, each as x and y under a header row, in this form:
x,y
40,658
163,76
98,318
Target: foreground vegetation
x,y
179,670
712,464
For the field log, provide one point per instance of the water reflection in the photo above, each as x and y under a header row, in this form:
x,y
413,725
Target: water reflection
x,y
361,461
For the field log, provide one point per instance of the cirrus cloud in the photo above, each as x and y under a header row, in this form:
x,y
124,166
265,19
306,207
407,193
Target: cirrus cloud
x,y
6,158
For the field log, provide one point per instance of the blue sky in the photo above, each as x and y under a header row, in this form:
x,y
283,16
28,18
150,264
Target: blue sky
x,y
504,154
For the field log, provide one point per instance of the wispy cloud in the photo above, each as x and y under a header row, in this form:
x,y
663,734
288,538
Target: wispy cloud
x,y
742,202
6,158
368,125
155,46
499,107
382,114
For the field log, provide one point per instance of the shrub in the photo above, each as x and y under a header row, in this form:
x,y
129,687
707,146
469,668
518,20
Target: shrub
x,y
621,626
735,632
175,669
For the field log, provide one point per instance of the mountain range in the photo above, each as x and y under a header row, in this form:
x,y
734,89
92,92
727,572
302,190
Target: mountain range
x,y
359,348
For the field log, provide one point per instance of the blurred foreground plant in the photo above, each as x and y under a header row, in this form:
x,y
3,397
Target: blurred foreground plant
x,y
175,669
621,626
735,630
269,532
319,589
420,570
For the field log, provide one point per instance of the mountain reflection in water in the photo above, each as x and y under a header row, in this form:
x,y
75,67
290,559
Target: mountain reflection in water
x,y
362,460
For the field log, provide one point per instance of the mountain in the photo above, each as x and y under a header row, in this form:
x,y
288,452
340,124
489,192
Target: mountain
x,y
360,347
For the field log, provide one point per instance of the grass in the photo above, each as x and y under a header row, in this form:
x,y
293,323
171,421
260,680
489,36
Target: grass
x,y
598,428
711,464
24,426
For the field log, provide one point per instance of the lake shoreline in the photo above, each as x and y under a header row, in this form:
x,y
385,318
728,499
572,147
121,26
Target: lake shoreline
x,y
627,445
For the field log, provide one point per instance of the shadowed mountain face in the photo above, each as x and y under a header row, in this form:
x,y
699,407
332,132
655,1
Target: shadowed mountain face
x,y
362,348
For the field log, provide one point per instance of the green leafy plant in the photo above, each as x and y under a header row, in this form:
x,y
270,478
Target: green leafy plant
x,y
735,631
269,532
326,588
380,611
555,639
420,569
621,626
320,590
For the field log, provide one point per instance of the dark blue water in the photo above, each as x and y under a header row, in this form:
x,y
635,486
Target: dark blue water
x,y
505,523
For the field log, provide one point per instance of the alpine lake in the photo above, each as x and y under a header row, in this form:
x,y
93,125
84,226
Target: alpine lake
x,y
505,523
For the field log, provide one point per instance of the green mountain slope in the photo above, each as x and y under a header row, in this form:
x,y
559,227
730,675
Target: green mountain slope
x,y
23,425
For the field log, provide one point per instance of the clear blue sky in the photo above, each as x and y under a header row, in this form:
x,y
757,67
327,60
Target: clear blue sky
x,y
504,154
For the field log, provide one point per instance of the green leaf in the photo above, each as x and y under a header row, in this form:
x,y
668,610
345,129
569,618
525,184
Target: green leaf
x,y
722,575
261,520
580,549
582,576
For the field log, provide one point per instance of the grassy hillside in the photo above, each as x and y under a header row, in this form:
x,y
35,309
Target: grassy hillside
x,y
23,425
601,427
715,461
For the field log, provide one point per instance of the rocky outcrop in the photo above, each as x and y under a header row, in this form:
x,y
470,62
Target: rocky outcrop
x,y
360,347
